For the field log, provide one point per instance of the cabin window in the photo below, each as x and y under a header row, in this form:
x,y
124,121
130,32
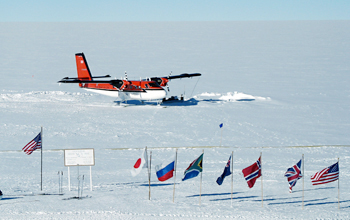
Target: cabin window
x,y
153,85
146,85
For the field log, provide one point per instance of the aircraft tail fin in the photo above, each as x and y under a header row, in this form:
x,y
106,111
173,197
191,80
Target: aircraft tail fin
x,y
82,67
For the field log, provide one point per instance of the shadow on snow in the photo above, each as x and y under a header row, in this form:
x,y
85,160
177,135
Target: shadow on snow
x,y
173,102
10,198
332,187
214,194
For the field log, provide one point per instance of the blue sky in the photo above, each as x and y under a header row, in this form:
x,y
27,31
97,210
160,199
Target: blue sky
x,y
176,10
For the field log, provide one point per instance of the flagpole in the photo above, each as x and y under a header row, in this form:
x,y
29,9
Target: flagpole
x,y
302,203
149,175
262,195
231,163
175,175
221,135
338,186
41,176
147,169
200,188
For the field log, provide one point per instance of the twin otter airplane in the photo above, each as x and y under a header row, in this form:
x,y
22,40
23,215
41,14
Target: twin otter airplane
x,y
144,90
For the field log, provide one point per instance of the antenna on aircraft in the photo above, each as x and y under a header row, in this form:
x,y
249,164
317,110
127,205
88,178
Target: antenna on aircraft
x,y
126,76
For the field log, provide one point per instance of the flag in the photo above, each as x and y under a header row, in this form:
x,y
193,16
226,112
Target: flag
x,y
165,170
227,172
326,175
140,163
221,125
293,174
194,168
33,145
252,173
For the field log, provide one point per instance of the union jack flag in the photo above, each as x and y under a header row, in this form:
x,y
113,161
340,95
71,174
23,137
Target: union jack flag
x,y
293,174
33,145
326,175
252,173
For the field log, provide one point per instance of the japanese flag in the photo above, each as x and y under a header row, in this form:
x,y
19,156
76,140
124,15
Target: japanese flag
x,y
140,163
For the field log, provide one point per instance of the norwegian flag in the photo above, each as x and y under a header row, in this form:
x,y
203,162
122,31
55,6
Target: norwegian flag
x,y
293,174
326,175
33,145
252,173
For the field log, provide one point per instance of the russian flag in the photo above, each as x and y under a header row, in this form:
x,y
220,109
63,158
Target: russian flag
x,y
165,172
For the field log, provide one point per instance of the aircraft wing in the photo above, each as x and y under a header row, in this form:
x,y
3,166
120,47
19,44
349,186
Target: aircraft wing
x,y
162,81
184,75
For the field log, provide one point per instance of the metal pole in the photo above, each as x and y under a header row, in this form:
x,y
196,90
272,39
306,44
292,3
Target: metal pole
x,y
175,175
59,182
338,186
78,183
90,179
302,204
200,188
231,163
262,194
221,135
41,180
149,176
82,187
68,179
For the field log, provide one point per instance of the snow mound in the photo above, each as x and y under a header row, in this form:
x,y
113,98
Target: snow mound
x,y
41,96
229,97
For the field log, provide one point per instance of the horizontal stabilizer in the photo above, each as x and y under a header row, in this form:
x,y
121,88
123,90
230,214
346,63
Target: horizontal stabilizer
x,y
94,77
116,82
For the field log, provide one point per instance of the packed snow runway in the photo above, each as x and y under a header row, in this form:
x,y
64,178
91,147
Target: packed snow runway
x,y
279,88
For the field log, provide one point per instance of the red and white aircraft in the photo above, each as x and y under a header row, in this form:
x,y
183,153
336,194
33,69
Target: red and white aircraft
x,y
143,90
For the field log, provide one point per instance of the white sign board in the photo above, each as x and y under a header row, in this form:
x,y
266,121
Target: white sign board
x,y
79,157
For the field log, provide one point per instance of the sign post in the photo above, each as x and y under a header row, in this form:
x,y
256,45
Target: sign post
x,y
79,157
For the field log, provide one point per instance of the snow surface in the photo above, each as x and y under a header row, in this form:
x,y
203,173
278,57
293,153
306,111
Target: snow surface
x,y
280,88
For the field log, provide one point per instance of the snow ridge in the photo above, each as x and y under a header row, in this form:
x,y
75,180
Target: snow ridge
x,y
230,97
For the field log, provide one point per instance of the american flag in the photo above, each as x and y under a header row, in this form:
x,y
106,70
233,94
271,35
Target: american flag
x,y
326,175
33,145
293,174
